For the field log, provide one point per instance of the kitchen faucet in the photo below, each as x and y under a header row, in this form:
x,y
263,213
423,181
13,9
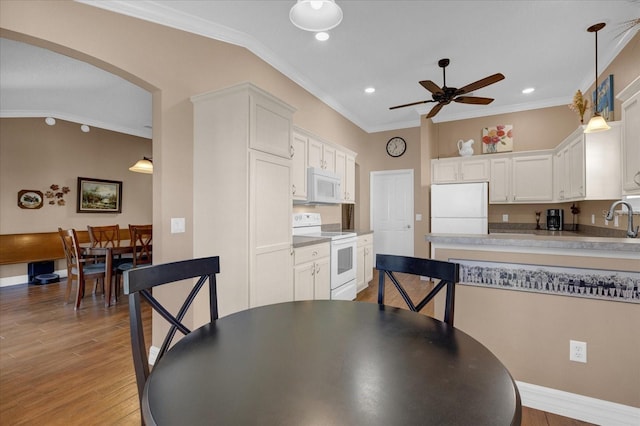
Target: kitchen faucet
x,y
631,233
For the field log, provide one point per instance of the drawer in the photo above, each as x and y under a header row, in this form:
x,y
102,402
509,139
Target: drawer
x,y
363,240
311,253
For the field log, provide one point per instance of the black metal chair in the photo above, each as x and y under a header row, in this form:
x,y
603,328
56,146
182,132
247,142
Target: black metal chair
x,y
138,284
446,272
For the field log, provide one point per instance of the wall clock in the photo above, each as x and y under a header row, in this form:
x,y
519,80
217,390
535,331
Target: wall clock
x,y
396,146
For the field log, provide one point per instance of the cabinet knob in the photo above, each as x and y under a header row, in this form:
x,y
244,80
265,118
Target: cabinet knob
x,y
292,151
636,178
314,254
294,189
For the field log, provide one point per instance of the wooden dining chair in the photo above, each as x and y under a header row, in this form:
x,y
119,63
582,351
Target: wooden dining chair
x,y
139,282
446,272
79,268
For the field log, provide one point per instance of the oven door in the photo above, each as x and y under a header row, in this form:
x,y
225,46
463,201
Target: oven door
x,y
343,261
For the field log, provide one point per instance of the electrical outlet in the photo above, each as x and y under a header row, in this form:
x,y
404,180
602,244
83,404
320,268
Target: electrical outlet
x,y
593,219
577,351
505,218
615,221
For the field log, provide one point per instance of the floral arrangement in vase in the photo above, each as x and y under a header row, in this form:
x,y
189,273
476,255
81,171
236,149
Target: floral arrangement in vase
x,y
579,105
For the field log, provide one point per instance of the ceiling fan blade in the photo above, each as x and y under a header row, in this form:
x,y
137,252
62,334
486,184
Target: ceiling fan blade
x,y
435,110
473,100
412,103
480,83
431,86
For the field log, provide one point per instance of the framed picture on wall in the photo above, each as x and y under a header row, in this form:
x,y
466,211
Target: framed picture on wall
x,y
99,196
603,98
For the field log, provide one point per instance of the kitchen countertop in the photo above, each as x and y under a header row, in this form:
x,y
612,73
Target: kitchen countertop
x,y
540,239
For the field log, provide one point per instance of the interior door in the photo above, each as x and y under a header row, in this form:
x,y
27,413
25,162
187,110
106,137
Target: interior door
x,y
392,212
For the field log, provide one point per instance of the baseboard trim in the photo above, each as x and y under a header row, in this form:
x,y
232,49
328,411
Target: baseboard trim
x,y
24,279
576,406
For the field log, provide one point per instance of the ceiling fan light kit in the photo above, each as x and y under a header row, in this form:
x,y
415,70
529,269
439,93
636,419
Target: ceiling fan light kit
x,y
445,95
315,15
597,122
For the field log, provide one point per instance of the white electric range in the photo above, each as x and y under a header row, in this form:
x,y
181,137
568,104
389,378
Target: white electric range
x,y
343,253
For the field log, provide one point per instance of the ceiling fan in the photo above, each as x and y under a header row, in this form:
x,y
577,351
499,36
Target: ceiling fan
x,y
445,95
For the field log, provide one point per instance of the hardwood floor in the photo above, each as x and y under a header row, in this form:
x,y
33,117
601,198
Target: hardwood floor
x,y
64,367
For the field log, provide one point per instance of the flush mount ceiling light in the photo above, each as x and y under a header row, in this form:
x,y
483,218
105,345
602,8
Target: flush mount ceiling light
x,y
315,15
143,166
597,122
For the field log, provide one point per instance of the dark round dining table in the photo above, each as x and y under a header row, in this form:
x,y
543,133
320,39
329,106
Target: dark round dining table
x,y
329,363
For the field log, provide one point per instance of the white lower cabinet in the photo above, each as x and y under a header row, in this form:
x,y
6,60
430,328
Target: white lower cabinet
x,y
312,273
364,273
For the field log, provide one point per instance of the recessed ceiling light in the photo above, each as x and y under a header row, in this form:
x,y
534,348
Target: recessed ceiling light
x,y
322,36
85,128
50,121
370,90
528,90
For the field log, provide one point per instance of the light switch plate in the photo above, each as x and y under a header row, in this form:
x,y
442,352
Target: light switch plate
x,y
418,217
177,225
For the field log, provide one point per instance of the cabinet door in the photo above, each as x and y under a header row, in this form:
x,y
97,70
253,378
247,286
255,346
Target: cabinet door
x,y
299,167
476,170
368,263
270,260
341,170
576,169
329,158
444,171
558,180
350,177
270,126
322,283
360,284
499,184
532,178
303,281
631,145
314,153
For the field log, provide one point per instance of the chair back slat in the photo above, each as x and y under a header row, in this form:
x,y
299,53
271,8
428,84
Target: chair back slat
x,y
104,236
141,241
446,272
138,284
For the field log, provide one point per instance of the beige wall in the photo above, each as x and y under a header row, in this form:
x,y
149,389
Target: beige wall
x,y
35,156
530,332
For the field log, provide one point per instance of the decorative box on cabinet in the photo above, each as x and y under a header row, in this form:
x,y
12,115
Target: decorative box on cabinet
x,y
587,165
312,272
521,178
242,194
452,170
630,98
364,272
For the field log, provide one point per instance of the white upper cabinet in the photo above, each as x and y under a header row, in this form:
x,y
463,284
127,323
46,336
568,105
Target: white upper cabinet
x,y
346,169
299,167
321,155
630,98
521,178
270,125
587,165
452,170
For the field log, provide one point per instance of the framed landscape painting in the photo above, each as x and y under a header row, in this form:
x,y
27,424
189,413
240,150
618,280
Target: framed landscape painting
x,y
99,196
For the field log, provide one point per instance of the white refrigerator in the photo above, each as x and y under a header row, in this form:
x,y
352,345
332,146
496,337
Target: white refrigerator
x,y
460,208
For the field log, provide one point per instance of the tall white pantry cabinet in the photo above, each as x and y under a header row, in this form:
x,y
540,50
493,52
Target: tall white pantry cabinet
x,y
242,194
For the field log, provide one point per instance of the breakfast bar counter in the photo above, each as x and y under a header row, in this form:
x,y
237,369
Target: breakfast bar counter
x,y
527,295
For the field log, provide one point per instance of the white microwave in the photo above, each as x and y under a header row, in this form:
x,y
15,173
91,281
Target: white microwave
x,y
323,187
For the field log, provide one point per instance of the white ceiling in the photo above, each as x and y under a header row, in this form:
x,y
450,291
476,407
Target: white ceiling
x,y
390,45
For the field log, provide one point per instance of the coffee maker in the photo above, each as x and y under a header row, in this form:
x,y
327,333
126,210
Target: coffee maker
x,y
555,219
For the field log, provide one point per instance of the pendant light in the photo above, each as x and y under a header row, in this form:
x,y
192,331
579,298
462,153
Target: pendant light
x,y
597,122
143,166
315,15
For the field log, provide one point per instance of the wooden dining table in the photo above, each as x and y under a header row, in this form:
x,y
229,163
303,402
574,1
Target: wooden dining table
x,y
108,253
332,363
